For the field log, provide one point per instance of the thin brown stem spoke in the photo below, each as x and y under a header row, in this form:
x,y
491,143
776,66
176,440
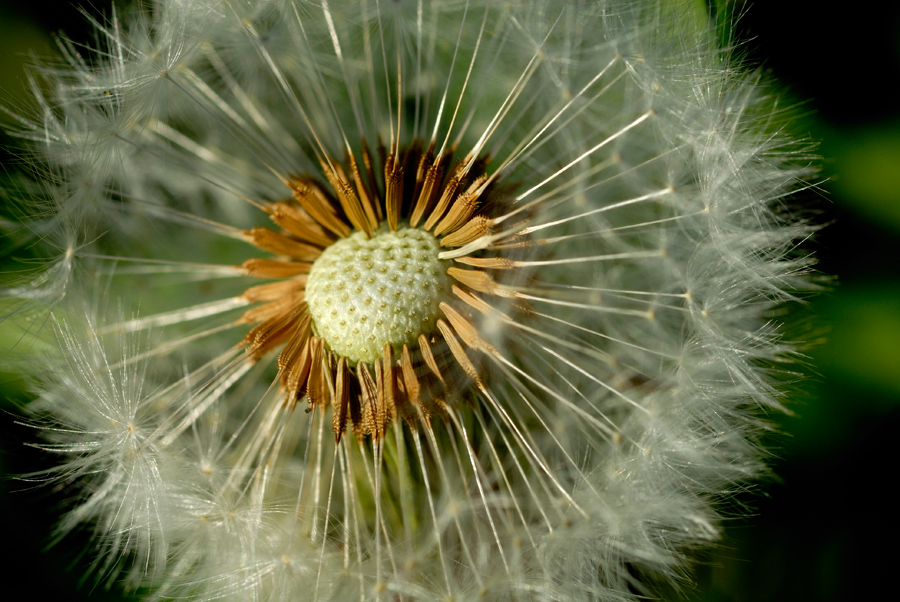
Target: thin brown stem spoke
x,y
370,176
367,199
412,397
318,205
275,290
388,387
274,268
463,207
268,335
273,309
294,363
428,356
317,388
341,406
347,198
447,195
369,401
489,263
300,225
458,352
282,244
393,182
466,330
474,229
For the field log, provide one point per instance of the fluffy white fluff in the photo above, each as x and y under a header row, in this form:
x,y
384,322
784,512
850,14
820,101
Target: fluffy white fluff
x,y
631,354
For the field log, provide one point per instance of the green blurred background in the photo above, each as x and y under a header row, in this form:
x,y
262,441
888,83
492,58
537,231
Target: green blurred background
x,y
823,528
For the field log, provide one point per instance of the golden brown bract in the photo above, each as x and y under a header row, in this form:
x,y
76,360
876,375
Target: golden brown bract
x,y
413,188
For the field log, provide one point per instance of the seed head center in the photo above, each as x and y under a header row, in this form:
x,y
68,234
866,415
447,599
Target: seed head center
x,y
364,293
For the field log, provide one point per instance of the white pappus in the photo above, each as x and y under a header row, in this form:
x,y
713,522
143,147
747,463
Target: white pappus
x,y
422,300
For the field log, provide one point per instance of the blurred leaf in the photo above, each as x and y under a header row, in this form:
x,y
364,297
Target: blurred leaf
x,y
864,344
866,164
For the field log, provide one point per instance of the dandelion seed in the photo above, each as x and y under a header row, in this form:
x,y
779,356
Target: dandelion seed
x,y
435,300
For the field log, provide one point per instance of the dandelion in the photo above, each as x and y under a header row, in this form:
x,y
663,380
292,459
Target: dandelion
x,y
389,300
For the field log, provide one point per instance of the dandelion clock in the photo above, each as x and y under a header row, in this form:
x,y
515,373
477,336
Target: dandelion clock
x,y
400,300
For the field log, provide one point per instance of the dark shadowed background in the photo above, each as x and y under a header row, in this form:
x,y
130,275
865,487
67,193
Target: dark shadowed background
x,y
823,528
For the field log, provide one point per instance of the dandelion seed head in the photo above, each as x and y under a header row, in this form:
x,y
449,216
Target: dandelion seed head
x,y
516,261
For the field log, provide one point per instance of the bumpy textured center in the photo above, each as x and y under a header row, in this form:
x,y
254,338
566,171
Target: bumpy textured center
x,y
364,293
